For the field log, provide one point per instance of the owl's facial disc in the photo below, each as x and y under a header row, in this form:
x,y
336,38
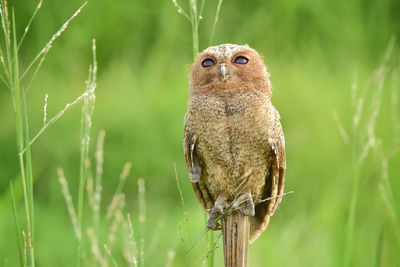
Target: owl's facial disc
x,y
229,67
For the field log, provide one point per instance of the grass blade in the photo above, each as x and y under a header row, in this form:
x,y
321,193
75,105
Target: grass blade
x,y
17,227
195,26
379,246
21,127
142,217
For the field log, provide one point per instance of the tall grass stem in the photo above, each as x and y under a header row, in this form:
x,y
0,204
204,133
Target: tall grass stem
x,y
142,217
215,21
17,227
98,187
86,123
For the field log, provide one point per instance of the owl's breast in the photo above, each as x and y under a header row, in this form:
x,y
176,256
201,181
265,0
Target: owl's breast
x,y
232,138
210,124
247,117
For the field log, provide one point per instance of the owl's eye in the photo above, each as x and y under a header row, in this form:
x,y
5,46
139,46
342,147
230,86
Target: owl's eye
x,y
241,60
208,62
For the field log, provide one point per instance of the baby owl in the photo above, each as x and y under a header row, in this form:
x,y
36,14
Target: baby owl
x,y
233,139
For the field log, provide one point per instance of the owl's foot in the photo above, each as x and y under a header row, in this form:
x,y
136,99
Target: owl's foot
x,y
216,214
244,203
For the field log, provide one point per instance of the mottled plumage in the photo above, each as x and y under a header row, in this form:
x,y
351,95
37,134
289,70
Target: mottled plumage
x,y
233,140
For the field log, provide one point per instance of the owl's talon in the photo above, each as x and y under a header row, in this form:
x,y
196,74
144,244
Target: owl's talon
x,y
216,214
244,203
213,225
212,222
248,209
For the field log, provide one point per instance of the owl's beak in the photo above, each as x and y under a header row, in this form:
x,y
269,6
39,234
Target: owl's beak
x,y
223,72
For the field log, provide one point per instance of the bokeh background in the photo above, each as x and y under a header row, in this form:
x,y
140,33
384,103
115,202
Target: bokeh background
x,y
315,51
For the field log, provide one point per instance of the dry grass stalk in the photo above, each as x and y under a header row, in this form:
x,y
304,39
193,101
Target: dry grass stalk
x,y
30,22
25,247
90,189
60,114
210,250
115,225
49,44
180,10
94,246
98,187
117,195
108,251
68,200
45,109
142,217
142,201
339,125
114,206
11,65
366,109
182,201
5,80
181,232
132,246
6,22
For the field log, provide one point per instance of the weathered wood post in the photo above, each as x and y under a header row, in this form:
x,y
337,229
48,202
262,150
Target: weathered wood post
x,y
235,233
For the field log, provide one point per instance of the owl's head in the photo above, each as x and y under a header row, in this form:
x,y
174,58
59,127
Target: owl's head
x,y
229,67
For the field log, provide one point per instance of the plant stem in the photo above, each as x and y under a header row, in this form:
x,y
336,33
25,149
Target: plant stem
x,y
352,211
86,122
17,227
21,123
195,26
82,176
210,258
215,21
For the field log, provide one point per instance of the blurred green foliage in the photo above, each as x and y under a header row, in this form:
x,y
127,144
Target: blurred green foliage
x,y
313,49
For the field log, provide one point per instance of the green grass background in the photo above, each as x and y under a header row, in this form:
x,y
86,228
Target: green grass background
x,y
313,50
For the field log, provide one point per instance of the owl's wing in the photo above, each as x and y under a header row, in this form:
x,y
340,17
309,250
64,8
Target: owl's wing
x,y
194,167
277,171
274,183
192,159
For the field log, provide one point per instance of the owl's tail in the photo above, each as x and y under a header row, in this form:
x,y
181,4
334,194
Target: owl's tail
x,y
264,210
258,222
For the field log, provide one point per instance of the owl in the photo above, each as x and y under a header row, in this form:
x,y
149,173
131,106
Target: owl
x,y
233,139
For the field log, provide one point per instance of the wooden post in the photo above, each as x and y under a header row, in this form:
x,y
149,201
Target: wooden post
x,y
235,232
